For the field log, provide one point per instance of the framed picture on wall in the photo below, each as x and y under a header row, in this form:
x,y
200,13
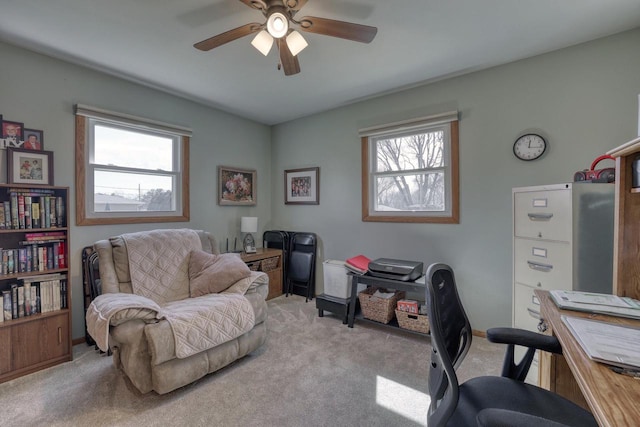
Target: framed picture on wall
x,y
29,167
302,186
236,186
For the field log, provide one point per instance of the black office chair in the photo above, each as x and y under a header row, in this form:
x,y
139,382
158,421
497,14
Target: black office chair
x,y
302,260
486,401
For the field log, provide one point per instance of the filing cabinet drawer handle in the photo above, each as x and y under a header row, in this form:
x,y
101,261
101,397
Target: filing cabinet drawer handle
x,y
533,313
540,266
540,216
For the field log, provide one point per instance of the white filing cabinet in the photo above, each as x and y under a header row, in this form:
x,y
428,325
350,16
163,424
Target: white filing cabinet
x,y
562,239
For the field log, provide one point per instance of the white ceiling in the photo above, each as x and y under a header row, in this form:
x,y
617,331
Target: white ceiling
x,y
151,42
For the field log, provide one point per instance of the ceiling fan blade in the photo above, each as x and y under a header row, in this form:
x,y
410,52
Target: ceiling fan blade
x,y
256,4
341,29
228,36
289,62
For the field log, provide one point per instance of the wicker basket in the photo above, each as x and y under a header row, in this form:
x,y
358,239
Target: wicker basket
x,y
269,264
378,309
253,266
413,322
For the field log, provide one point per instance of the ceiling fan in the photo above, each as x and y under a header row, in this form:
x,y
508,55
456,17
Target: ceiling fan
x,y
280,25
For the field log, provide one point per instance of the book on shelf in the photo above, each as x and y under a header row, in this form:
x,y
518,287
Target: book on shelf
x,y
358,264
28,209
7,309
35,294
592,302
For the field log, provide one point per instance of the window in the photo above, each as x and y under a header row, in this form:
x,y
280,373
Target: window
x,y
132,170
410,171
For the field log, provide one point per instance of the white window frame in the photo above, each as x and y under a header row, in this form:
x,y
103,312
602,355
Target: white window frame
x,y
448,123
86,120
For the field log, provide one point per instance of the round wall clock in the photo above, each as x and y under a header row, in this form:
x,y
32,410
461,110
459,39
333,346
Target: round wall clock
x,y
529,147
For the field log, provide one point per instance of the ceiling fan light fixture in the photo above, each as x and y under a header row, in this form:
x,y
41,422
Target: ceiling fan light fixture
x,y
263,42
277,24
296,42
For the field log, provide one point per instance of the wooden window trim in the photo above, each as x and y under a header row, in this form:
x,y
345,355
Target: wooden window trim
x,y
453,218
81,214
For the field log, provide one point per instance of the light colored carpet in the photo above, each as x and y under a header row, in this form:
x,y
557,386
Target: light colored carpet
x,y
311,372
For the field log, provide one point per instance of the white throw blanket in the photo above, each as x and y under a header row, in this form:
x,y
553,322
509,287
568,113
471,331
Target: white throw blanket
x,y
159,262
197,323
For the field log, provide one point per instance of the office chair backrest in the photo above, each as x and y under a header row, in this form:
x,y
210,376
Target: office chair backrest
x,y
450,341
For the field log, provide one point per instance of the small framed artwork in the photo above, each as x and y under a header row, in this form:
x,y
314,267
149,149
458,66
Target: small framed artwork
x,y
302,186
33,139
12,130
237,186
29,166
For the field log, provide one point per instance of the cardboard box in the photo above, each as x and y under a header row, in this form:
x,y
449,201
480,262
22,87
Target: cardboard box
x,y
408,305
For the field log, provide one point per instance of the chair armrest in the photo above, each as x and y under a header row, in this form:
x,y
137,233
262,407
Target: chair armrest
x,y
524,338
532,340
505,418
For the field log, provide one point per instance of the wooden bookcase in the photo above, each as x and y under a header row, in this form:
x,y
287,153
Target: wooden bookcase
x,y
626,249
40,340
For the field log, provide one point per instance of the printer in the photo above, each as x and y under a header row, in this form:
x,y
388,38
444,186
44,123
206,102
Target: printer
x,y
396,269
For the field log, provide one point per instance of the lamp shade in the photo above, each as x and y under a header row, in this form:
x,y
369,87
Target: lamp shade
x,y
296,42
277,24
263,42
249,224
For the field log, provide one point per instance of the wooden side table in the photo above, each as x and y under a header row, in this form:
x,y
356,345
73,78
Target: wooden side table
x,y
273,269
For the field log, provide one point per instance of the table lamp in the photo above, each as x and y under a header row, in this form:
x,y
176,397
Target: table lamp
x,y
248,225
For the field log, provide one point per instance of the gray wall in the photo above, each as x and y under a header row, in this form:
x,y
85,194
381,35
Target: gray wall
x,y
583,100
41,91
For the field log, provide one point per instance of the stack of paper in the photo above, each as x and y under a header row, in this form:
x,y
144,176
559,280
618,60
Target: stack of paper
x,y
606,342
597,303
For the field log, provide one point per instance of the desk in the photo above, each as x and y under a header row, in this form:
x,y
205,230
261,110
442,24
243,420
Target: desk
x,y
612,398
366,279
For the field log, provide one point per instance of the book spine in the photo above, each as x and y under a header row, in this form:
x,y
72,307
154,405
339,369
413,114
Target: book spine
x,y
14,211
48,250
14,301
35,214
46,220
27,212
21,211
52,213
62,259
42,219
3,224
27,299
7,214
60,213
7,309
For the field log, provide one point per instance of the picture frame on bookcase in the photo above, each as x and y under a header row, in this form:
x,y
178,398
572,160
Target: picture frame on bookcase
x,y
33,139
29,167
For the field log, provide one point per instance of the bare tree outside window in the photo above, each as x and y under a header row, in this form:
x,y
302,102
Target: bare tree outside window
x,y
409,172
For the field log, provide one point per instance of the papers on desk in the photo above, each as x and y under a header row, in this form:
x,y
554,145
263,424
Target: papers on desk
x,y
597,303
608,343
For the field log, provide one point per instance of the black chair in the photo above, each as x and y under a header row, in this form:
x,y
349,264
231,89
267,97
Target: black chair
x,y
497,401
302,260
278,239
